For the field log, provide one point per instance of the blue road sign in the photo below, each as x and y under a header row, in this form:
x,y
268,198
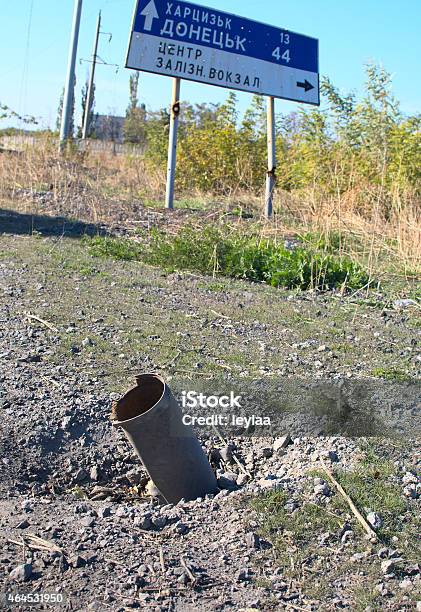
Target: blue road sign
x,y
184,40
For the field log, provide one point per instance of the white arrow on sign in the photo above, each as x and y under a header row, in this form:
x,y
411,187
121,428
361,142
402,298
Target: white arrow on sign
x,y
150,13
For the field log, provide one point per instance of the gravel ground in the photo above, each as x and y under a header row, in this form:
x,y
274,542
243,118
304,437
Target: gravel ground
x,y
70,478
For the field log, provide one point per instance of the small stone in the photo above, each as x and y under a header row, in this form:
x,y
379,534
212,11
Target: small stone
x,y
329,455
26,505
183,579
412,570
229,475
226,483
389,566
409,478
159,521
21,573
242,479
321,489
214,456
333,456
400,304
243,575
411,491
406,584
226,453
181,528
281,443
347,527
121,511
253,606
87,342
380,588
394,554
144,521
383,553
87,521
374,520
104,511
270,481
291,505
252,540
93,474
23,524
76,561
81,476
65,422
135,477
266,453
152,490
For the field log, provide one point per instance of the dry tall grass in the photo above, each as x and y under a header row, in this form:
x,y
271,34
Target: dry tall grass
x,y
114,190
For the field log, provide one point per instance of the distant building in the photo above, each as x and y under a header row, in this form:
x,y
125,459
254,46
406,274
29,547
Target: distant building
x,y
108,127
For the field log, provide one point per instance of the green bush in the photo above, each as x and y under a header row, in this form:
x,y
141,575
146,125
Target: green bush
x,y
220,251
116,248
364,148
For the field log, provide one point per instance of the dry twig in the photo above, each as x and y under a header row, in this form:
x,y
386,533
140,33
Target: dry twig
x,y
42,321
34,542
161,560
189,573
370,531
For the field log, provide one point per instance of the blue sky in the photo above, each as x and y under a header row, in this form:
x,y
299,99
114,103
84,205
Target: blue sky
x,y
33,52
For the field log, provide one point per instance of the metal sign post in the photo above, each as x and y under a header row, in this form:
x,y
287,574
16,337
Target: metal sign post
x,y
271,174
187,41
172,144
70,79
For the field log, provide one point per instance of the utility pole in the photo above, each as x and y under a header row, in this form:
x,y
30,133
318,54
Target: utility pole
x,y
172,144
69,91
271,173
86,122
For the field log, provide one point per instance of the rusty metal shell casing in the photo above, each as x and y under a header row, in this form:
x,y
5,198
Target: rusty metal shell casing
x,y
169,450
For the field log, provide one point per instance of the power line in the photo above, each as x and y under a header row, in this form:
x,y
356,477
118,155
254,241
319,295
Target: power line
x,y
25,71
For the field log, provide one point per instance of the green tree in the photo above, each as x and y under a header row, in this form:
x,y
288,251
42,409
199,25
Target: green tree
x,y
7,113
134,126
72,112
84,99
157,131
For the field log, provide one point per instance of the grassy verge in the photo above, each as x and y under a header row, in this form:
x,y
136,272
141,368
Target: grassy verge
x,y
219,251
391,374
304,540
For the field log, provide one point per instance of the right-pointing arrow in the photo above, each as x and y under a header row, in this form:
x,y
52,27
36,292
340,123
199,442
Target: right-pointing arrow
x,y
306,85
150,13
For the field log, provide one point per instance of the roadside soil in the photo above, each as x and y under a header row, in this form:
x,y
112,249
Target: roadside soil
x,y
74,332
